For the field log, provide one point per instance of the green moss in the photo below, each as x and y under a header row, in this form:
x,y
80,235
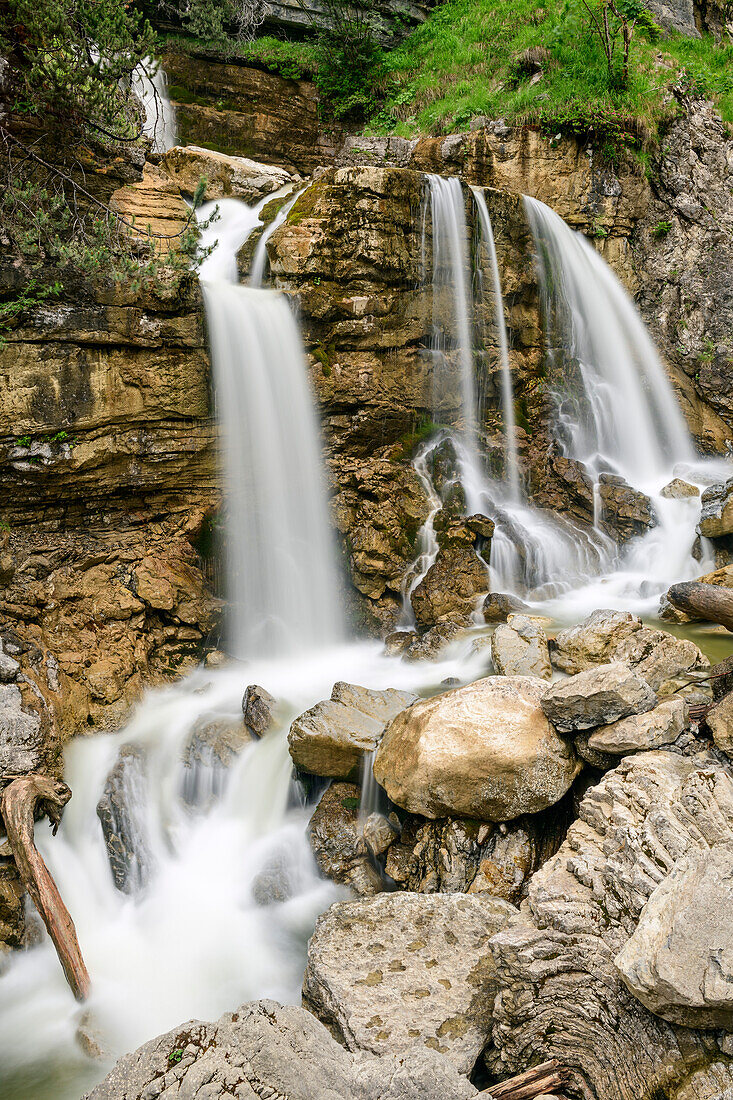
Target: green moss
x,y
305,204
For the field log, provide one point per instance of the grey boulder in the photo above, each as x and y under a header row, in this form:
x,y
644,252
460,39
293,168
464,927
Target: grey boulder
x,y
679,961
519,648
597,697
266,1051
657,727
401,971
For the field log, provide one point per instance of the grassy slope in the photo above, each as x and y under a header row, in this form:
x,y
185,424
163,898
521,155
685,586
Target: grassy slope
x,y
462,62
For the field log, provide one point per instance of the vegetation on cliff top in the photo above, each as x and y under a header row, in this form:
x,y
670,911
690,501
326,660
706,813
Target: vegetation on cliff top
x,y
544,64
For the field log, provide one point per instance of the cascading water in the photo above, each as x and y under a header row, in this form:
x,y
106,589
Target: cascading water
x,y
222,890
151,87
260,260
507,393
282,574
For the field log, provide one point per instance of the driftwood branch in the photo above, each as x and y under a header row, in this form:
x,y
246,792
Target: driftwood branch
x,y
18,805
547,1077
706,601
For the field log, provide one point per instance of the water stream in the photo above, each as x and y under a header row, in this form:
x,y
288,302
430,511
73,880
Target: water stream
x,y
151,86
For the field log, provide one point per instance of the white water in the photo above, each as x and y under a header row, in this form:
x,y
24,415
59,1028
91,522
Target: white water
x,y
200,937
617,413
452,288
151,87
507,394
260,258
283,586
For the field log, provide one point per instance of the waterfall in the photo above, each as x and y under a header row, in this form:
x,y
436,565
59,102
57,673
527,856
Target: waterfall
x,y
151,87
620,412
507,392
259,261
281,567
452,305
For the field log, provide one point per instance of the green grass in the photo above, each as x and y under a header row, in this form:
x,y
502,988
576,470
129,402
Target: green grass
x,y
463,62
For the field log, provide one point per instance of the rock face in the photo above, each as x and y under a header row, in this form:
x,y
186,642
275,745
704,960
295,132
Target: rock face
x,y
449,590
407,970
520,649
331,738
597,697
485,750
562,995
279,1053
678,961
464,856
639,732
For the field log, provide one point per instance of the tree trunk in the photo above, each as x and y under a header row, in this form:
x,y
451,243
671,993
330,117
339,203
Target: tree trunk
x,y
706,601
545,1078
17,805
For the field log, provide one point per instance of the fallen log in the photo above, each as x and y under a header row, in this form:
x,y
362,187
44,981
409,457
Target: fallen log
x,y
541,1079
706,601
18,806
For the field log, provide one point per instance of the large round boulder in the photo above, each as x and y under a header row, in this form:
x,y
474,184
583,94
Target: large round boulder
x,y
485,751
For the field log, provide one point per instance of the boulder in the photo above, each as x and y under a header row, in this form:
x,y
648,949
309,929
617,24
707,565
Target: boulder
x,y
258,708
236,177
594,641
679,961
398,642
716,515
561,994
597,697
620,636
380,833
274,1052
498,606
639,732
625,513
338,846
398,971
449,589
331,738
485,750
719,723
519,648
677,489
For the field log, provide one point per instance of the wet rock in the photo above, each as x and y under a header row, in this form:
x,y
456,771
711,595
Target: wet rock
x,y
679,961
519,648
22,730
119,813
433,645
407,970
624,512
498,606
596,697
275,1053
485,751
225,176
677,489
339,848
716,516
331,738
449,589
639,732
258,708
562,995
